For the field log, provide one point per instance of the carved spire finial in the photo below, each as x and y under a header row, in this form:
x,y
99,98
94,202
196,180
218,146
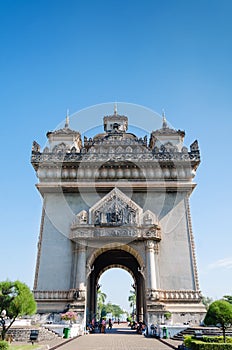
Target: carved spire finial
x,y
165,124
67,119
115,109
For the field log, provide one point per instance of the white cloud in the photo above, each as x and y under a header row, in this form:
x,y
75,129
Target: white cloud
x,y
222,263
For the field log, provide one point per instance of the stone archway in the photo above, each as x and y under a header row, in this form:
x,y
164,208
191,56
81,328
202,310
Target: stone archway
x,y
116,257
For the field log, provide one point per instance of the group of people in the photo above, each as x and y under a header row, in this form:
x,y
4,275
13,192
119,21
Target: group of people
x,y
100,326
140,327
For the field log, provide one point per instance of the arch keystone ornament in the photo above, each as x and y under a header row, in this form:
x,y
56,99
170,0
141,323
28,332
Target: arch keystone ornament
x,y
116,200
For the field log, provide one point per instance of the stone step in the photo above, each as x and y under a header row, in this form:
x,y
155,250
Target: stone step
x,y
22,334
209,331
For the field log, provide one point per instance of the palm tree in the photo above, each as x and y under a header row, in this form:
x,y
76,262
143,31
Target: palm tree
x,y
132,300
101,298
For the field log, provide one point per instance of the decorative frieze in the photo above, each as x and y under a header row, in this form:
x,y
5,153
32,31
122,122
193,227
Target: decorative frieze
x,y
91,232
54,294
133,155
174,295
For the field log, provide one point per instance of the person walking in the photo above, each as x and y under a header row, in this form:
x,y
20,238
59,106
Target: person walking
x,y
103,330
110,323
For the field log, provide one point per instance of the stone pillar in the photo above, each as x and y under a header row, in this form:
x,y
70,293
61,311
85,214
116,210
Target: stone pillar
x,y
150,260
81,266
140,301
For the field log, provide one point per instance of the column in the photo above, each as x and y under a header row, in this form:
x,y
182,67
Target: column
x,y
140,297
81,266
150,260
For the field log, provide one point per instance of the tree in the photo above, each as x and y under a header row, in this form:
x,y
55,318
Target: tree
x,y
112,308
101,298
132,300
228,298
16,300
117,311
219,314
167,315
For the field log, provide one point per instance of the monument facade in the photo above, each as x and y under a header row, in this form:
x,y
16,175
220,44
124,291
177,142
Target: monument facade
x,y
117,200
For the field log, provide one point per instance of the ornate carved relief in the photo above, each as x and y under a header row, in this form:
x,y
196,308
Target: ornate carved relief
x,y
168,147
81,218
115,209
91,233
194,146
149,218
35,147
61,148
114,216
152,233
150,245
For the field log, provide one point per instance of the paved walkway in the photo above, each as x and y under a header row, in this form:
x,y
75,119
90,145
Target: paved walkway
x,y
121,338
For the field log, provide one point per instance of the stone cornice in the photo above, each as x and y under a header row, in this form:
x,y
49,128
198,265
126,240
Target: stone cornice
x,y
152,295
56,187
91,232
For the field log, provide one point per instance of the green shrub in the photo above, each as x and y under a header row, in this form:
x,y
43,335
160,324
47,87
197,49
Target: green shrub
x,y
200,345
207,343
188,341
4,345
218,339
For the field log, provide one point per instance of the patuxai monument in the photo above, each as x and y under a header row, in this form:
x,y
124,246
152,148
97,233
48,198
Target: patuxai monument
x,y
117,200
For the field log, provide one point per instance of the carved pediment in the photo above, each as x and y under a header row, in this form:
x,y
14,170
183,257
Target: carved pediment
x,y
113,216
81,218
115,209
168,147
61,148
149,218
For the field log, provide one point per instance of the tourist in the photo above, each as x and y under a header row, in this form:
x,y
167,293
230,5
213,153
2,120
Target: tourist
x,y
103,328
110,323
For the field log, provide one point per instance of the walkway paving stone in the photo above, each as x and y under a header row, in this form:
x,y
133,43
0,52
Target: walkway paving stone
x,y
121,338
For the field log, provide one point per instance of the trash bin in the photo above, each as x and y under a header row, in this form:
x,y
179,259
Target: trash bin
x,y
66,332
165,332
34,335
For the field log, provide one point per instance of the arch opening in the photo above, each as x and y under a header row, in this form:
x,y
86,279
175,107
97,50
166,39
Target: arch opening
x,y
116,284
116,258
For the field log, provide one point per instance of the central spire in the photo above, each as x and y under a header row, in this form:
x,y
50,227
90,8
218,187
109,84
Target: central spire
x,y
165,124
67,120
115,109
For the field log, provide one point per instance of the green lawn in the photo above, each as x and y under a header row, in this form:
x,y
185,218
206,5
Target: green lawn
x,y
24,347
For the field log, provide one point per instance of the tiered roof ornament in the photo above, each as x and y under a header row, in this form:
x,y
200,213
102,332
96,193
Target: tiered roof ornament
x,y
115,123
118,154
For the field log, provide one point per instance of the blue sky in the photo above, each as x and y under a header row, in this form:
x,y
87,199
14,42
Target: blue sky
x,y
171,54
